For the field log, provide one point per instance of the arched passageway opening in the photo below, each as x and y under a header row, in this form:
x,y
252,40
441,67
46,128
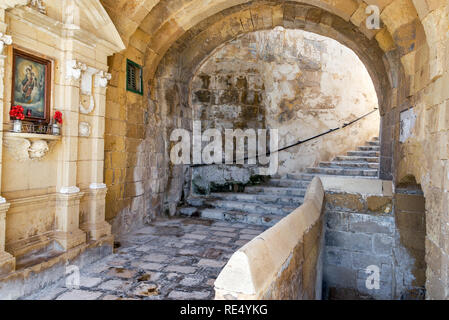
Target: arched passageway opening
x,y
292,81
172,40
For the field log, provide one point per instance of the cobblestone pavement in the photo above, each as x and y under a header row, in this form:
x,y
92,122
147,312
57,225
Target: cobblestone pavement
x,y
170,259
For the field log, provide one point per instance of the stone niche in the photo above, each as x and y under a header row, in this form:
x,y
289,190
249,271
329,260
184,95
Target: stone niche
x,y
290,80
53,193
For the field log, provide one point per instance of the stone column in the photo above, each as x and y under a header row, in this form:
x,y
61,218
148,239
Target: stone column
x,y
68,196
94,223
7,261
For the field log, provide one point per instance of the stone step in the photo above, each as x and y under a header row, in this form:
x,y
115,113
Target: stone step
x,y
357,159
300,176
344,172
267,220
364,153
251,207
350,165
284,200
266,204
288,183
279,191
294,176
369,148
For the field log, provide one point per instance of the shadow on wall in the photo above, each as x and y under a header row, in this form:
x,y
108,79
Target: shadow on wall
x,y
410,216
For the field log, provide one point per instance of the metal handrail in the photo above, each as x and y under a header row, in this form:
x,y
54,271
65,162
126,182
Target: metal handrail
x,y
299,142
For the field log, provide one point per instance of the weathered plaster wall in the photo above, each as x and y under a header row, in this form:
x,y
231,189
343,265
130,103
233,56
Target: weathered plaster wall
x,y
297,82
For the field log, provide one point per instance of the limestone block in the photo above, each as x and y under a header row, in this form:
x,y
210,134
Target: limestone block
x,y
397,14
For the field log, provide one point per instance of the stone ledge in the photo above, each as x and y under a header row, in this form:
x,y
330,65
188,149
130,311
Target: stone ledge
x,y
357,185
25,281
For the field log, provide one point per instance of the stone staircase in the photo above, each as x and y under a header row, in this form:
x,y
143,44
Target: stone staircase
x,y
268,203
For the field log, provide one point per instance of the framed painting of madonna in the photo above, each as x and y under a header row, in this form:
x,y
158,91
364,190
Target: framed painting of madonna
x,y
31,85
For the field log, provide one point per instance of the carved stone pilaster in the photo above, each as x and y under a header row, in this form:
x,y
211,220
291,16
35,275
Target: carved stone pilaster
x,y
68,233
7,261
94,223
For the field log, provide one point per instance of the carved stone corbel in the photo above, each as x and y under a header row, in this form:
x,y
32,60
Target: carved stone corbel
x,y
25,147
102,78
4,40
74,69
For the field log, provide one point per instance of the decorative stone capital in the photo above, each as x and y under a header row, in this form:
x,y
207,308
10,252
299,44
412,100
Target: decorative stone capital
x,y
74,69
102,78
4,40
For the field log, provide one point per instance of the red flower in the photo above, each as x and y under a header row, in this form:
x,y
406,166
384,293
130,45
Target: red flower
x,y
58,117
16,113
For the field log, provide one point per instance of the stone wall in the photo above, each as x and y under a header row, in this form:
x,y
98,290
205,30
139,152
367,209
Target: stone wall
x,y
126,165
142,182
297,82
284,262
373,229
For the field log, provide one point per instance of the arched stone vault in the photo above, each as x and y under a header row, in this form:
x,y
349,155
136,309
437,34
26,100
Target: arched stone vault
x,y
381,58
406,58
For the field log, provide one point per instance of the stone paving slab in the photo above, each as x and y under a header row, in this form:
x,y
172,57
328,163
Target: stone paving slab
x,y
177,258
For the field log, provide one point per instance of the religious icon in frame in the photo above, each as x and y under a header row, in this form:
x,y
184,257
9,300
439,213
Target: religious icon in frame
x,y
31,85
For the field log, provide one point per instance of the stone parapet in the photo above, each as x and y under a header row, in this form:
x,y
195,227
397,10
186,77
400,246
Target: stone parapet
x,y
284,262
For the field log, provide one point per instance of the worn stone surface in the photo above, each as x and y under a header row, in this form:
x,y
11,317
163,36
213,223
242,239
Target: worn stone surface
x,y
183,270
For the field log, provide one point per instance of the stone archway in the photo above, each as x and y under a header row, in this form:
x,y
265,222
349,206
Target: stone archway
x,y
170,38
